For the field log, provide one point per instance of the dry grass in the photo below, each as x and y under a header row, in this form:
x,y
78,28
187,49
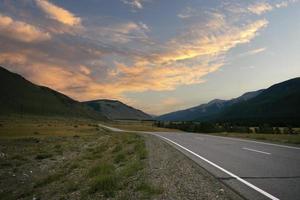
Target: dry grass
x,y
280,138
39,127
70,159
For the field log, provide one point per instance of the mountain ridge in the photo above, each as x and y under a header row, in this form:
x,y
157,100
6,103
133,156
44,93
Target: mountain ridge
x,y
115,109
278,104
20,96
206,110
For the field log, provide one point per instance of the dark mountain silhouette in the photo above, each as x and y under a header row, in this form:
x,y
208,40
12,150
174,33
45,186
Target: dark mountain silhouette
x,y
206,111
279,104
20,96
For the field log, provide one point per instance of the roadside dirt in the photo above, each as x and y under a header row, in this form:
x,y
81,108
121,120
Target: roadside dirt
x,y
180,177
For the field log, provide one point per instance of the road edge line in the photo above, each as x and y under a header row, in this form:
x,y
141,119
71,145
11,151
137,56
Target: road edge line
x,y
223,170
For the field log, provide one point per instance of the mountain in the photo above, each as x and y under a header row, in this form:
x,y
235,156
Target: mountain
x,y
20,96
279,104
206,111
117,110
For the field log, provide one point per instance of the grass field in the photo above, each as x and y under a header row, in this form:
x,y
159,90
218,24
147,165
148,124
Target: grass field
x,y
278,138
70,159
131,125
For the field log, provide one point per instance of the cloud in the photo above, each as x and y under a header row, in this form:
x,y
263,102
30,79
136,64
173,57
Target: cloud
x,y
111,60
260,8
21,31
12,58
187,13
254,51
183,60
285,3
84,69
282,4
136,4
121,32
57,13
198,43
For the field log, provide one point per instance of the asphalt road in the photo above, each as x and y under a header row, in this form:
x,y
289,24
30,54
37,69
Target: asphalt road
x,y
256,170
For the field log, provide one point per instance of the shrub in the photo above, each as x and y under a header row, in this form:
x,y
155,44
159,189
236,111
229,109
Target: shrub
x,y
107,184
119,158
43,156
101,169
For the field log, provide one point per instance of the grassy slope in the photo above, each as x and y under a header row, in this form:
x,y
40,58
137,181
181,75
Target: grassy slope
x,y
113,109
19,96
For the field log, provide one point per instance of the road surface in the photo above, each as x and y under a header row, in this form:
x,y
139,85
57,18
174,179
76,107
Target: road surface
x,y
256,170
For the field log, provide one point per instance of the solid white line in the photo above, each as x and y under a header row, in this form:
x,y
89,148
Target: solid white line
x,y
224,170
256,151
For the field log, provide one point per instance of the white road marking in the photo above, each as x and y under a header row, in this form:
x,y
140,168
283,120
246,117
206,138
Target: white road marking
x,y
256,151
222,169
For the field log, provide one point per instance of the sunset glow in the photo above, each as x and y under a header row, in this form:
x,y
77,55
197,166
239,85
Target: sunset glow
x,y
158,56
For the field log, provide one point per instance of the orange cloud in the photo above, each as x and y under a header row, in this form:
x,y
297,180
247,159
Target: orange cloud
x,y
195,44
84,70
13,58
187,60
57,13
106,70
21,31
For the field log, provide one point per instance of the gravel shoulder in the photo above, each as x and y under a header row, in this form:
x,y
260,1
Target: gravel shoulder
x,y
180,177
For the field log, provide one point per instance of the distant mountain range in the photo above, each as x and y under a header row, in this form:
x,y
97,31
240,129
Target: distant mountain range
x,y
279,103
206,111
20,96
113,109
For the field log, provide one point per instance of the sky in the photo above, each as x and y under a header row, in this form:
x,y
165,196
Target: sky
x,y
155,55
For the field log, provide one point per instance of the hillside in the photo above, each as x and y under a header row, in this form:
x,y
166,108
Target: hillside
x,y
117,110
206,111
20,96
278,104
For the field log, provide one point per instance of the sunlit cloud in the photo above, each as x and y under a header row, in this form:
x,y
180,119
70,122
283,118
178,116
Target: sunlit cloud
x,y
57,13
84,69
254,51
136,4
260,8
183,60
12,58
110,59
195,43
187,13
121,32
21,31
282,4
